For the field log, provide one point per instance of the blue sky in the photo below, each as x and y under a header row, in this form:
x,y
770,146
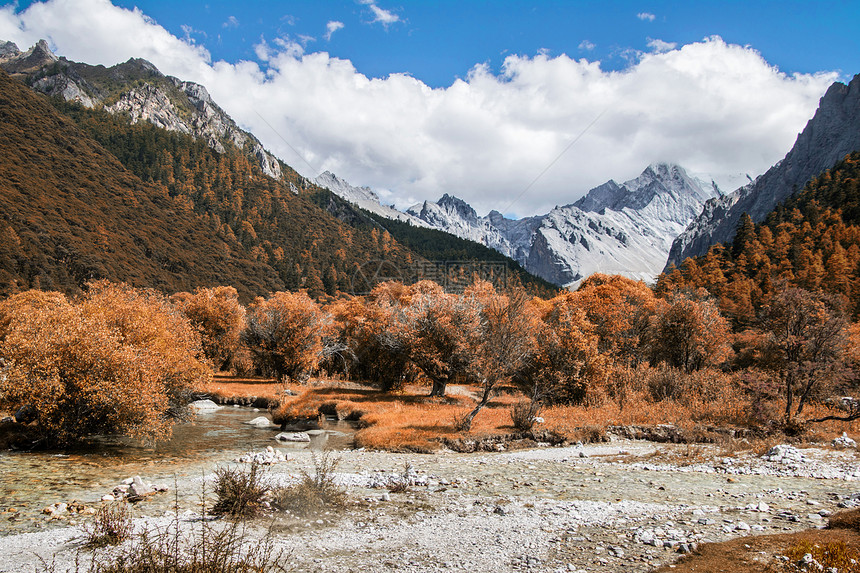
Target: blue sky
x,y
442,40
416,99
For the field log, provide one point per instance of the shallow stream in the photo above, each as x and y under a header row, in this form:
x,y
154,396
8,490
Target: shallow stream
x,y
30,481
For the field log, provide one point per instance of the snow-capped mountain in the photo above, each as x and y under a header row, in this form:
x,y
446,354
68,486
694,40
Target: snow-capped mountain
x,y
457,217
623,228
364,197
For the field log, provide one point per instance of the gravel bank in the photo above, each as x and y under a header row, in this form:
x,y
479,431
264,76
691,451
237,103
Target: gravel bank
x,y
622,506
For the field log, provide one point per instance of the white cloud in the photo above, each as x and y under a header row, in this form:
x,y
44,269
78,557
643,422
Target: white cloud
x,y
710,106
189,31
646,16
304,39
660,46
232,22
332,27
586,46
384,17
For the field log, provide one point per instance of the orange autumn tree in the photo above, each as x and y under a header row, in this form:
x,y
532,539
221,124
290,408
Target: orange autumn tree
x,y
805,343
619,311
689,332
115,362
567,362
219,317
509,324
285,334
376,334
443,331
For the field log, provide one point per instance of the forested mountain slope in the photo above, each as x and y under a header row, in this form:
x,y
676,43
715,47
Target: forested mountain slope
x,y
71,211
812,240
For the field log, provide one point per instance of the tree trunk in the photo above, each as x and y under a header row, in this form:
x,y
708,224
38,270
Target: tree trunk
x,y
466,424
438,388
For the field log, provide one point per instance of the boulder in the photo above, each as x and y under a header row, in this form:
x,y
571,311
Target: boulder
x,y
204,406
140,489
844,441
260,422
293,437
25,414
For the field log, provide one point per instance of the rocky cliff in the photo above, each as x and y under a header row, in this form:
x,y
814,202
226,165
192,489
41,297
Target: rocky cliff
x,y
137,89
832,133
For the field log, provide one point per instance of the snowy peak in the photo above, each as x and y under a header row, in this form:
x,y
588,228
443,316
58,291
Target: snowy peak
x,y
626,228
343,189
364,197
448,211
656,181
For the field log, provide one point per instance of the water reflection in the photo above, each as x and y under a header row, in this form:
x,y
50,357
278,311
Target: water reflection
x,y
31,481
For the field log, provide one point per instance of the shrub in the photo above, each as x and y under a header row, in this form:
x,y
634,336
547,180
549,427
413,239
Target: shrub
x,y
849,519
833,556
524,414
239,492
114,362
666,383
213,550
112,524
285,334
219,317
313,493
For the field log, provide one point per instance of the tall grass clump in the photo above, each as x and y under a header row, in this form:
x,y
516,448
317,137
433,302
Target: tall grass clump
x,y
315,492
240,493
112,524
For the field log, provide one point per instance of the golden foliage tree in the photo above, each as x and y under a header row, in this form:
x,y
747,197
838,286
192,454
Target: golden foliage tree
x,y
567,360
443,330
619,311
285,334
220,318
804,344
689,333
375,332
114,362
507,337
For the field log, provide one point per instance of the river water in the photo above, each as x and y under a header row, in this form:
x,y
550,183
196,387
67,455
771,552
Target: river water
x,y
30,481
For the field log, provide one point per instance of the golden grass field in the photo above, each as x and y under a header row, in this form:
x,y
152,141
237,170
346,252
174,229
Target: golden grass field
x,y
411,420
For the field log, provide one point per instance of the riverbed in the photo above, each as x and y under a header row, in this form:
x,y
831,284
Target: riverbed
x,y
30,481
620,506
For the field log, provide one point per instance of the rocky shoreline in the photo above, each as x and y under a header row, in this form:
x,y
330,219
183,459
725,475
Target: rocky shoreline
x,y
619,506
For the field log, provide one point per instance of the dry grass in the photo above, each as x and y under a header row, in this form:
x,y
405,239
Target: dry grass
x,y
760,553
832,547
228,386
409,420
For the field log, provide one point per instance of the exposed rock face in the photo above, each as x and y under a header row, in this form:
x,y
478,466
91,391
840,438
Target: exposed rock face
x,y
828,137
16,62
616,228
139,90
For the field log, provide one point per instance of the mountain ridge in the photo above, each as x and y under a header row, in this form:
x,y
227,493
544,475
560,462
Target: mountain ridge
x,y
137,89
831,134
625,228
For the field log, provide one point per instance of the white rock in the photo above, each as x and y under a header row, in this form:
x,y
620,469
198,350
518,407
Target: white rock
x,y
293,437
844,441
204,406
260,422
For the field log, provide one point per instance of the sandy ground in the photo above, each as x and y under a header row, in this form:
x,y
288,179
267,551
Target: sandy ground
x,y
621,506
